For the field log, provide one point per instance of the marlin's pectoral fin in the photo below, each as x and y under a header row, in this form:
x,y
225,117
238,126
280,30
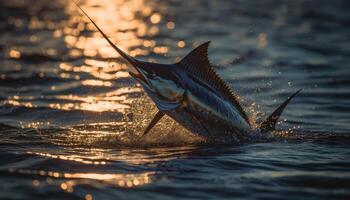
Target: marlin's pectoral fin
x,y
154,121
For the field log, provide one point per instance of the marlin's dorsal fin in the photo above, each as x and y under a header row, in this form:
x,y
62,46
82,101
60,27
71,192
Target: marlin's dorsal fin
x,y
154,121
270,122
197,61
197,64
130,59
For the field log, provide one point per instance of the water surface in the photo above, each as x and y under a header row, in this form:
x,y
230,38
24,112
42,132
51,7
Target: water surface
x,y
71,117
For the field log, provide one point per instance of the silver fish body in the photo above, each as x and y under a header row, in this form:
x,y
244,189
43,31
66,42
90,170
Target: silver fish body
x,y
205,112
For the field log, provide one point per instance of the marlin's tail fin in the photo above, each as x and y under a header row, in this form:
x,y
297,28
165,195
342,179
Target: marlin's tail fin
x,y
270,122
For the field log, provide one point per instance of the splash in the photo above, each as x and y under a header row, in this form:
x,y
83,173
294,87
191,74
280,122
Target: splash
x,y
126,132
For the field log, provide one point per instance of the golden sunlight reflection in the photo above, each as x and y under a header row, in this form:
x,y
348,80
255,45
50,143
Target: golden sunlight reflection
x,y
93,103
73,158
70,180
91,82
14,102
124,180
119,180
13,53
92,77
123,21
170,25
181,44
111,101
126,23
87,145
154,155
155,18
129,24
104,73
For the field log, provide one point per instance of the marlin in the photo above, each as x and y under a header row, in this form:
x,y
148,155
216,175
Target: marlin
x,y
194,95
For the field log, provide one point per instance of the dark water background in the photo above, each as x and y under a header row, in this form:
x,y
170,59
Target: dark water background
x,y
71,117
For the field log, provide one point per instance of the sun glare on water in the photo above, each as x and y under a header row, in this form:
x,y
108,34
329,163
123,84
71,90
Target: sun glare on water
x,y
97,81
131,25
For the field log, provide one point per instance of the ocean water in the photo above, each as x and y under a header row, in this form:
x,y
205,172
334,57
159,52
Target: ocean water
x,y
71,117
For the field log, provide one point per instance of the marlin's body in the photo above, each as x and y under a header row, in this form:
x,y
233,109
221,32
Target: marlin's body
x,y
206,112
192,93
203,110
